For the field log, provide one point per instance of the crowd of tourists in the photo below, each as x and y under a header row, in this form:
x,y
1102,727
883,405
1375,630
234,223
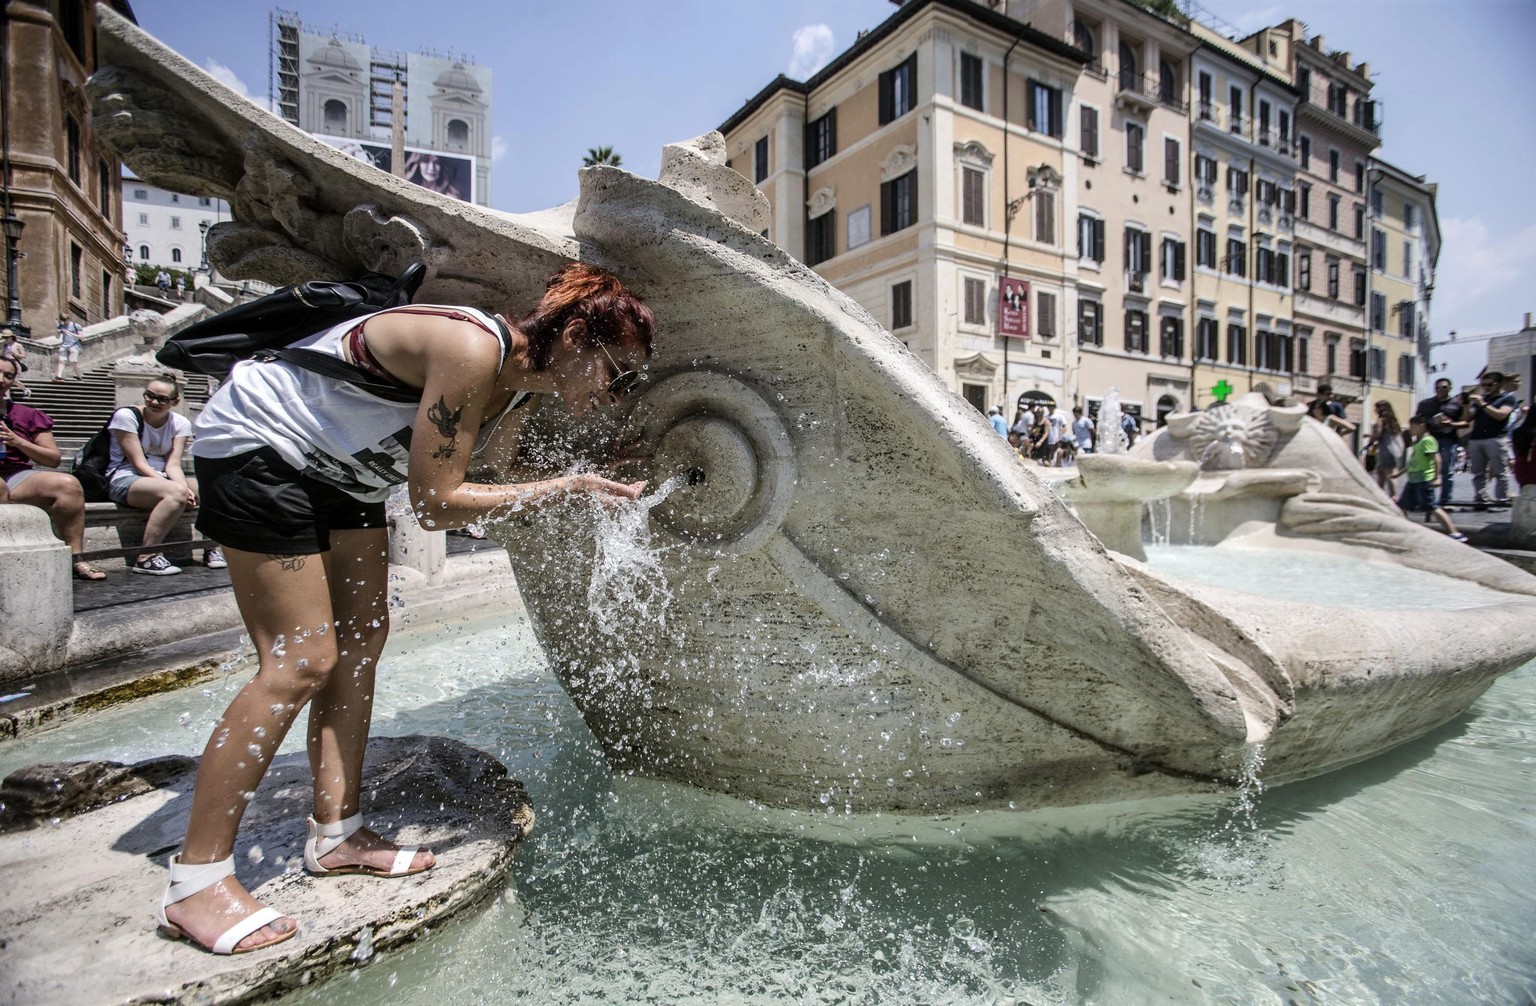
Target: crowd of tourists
x,y
1048,436
1484,431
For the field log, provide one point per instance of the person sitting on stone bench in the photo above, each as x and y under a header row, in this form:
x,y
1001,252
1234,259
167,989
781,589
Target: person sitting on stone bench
x,y
26,440
144,471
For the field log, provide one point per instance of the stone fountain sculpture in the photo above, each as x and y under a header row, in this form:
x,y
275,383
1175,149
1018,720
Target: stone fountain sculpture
x,y
873,604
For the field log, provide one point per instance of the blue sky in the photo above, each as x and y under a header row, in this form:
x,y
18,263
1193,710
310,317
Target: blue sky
x,y
1455,83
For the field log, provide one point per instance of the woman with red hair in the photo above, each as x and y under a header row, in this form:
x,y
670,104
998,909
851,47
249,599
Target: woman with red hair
x,y
294,469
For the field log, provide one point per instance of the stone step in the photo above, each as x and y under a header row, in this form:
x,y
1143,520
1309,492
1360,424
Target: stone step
x,y
94,877
80,408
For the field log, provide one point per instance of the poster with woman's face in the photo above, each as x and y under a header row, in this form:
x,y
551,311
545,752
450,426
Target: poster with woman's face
x,y
446,174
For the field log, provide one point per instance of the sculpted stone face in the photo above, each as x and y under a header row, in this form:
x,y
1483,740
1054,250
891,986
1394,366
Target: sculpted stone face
x,y
873,604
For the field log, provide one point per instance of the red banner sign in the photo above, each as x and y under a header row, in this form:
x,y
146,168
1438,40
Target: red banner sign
x,y
1013,307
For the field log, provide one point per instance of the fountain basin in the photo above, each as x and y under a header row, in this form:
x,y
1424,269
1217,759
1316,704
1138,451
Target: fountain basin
x,y
874,605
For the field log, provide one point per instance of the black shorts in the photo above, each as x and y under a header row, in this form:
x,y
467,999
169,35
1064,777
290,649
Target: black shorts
x,y
257,502
1417,497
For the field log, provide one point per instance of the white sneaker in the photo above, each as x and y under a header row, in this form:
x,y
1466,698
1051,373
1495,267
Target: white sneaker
x,y
214,559
156,565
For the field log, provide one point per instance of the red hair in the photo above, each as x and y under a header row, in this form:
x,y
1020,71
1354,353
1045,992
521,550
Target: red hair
x,y
612,314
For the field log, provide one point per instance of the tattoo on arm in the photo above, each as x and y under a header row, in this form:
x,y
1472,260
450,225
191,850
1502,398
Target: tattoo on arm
x,y
447,424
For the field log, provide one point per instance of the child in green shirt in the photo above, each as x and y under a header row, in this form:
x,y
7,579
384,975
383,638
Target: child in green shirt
x,y
1424,477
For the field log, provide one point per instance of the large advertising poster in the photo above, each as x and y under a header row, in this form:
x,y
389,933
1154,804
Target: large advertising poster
x,y
450,174
1013,307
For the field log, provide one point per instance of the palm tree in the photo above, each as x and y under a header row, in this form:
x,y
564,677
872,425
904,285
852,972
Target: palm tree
x,y
602,155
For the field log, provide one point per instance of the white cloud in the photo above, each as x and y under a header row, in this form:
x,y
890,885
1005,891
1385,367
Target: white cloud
x,y
1476,267
813,45
498,149
224,75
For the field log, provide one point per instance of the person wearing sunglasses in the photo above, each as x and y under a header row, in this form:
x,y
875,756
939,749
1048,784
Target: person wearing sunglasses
x,y
144,471
295,469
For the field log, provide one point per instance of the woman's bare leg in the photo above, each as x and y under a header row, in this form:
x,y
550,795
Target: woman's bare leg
x,y
357,570
285,602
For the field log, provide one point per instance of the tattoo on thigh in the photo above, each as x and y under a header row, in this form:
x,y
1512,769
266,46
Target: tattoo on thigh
x,y
288,562
447,424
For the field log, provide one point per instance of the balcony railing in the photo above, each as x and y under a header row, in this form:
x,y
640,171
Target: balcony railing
x,y
1147,90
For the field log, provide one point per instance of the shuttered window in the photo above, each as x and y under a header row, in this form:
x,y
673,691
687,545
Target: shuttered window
x,y
898,87
821,139
1045,315
1044,109
975,301
971,68
972,206
898,203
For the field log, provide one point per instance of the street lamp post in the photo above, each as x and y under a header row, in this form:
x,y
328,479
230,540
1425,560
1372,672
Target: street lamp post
x,y
13,226
203,229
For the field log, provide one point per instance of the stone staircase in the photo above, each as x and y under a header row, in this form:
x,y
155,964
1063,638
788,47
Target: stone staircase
x,y
80,408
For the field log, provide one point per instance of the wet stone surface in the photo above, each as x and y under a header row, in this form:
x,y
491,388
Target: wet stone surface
x,y
79,887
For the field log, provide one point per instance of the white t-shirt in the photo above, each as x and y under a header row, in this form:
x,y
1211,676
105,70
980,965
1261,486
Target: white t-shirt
x,y
157,443
326,429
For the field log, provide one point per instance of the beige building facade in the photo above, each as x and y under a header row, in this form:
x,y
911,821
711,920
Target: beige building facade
x,y
920,169
1128,132
1192,213
1337,129
1244,221
1404,249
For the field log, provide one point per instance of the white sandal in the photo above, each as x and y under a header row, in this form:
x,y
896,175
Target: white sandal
x,y
192,878
327,838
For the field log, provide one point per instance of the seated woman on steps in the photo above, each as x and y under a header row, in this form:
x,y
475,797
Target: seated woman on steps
x,y
26,441
294,469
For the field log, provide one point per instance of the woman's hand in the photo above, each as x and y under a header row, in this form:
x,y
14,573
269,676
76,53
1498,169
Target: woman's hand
x,y
607,491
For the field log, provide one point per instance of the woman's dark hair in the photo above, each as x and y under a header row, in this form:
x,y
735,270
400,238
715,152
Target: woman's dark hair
x,y
612,314
1389,417
1319,409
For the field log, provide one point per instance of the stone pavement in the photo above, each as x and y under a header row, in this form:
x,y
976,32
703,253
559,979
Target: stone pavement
x,y
79,887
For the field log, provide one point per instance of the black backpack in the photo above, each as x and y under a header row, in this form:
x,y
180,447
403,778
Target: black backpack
x,y
264,329
90,464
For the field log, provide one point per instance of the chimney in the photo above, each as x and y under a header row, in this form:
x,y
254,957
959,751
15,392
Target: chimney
x,y
1527,321
1364,69
1317,42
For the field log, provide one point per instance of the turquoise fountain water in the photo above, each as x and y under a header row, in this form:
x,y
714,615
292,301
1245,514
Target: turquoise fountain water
x,y
1408,878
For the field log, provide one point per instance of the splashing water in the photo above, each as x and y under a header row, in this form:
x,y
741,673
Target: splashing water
x,y
1111,435
1159,520
628,587
1235,850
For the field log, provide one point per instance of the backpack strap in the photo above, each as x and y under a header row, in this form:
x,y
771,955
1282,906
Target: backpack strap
x,y
340,370
138,417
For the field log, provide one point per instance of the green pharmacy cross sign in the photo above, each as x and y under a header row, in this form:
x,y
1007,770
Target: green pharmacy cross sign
x,y
1221,390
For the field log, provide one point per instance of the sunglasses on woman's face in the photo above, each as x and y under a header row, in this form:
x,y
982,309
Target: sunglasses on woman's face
x,y
624,381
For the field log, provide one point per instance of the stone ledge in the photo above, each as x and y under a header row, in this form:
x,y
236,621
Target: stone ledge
x,y
77,906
